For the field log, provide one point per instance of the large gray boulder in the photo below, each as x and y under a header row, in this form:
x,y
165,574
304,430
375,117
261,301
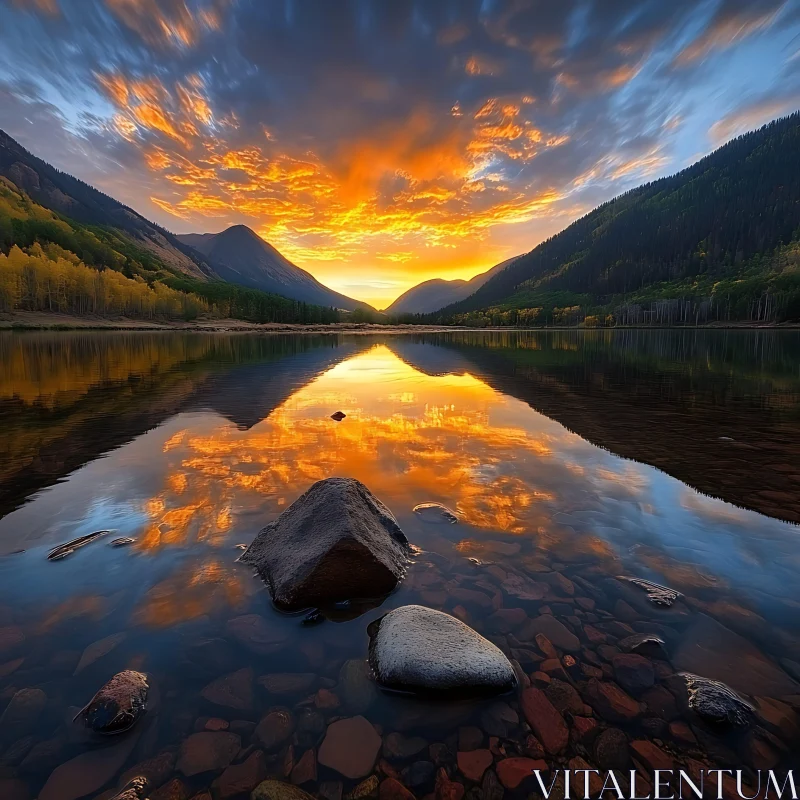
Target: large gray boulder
x,y
336,542
417,649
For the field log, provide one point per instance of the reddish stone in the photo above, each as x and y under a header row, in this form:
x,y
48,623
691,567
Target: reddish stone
x,y
392,789
241,778
350,747
551,667
513,771
612,702
506,619
474,763
232,691
681,732
584,728
540,679
174,790
387,769
305,770
447,789
472,596
157,770
206,751
274,729
594,636
533,747
652,756
544,719
326,699
461,613
595,780
216,724
546,646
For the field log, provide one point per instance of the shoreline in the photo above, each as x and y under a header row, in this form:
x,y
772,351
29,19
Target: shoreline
x,y
38,320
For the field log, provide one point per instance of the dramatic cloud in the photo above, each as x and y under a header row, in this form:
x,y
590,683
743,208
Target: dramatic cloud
x,y
380,144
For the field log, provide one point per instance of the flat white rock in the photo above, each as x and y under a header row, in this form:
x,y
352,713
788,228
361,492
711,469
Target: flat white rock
x,y
417,649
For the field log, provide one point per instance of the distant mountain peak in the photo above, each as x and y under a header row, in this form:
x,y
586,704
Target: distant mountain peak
x,y
239,255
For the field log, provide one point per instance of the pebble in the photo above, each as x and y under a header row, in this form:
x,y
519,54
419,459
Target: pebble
x,y
233,691
474,763
545,720
611,702
305,770
633,672
398,747
436,513
560,636
513,771
611,749
207,751
350,747
274,729
392,789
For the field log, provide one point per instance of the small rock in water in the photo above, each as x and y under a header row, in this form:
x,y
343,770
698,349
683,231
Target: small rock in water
x,y
725,438
63,550
118,705
338,415
240,547
417,649
657,594
278,790
436,513
313,618
645,644
122,541
716,702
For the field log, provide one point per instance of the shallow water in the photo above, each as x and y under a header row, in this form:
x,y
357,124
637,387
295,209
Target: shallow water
x,y
667,455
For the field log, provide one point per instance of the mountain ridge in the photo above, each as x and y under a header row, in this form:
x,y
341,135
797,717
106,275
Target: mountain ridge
x,y
72,197
436,293
239,255
715,241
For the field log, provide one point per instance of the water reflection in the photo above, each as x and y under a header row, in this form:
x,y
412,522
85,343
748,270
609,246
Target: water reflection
x,y
219,436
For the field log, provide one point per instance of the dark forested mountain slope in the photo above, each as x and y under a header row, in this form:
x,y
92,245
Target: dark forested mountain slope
x,y
437,293
75,199
239,255
718,229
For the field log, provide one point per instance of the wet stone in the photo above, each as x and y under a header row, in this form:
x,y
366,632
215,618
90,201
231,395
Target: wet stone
x,y
717,703
470,738
234,691
634,673
21,714
611,702
545,720
392,789
652,756
207,752
397,747
355,687
555,631
367,788
281,790
239,779
175,789
350,747
417,649
474,763
288,682
498,719
611,749
305,770
447,789
274,729
564,697
256,634
419,774
506,620
513,771
645,644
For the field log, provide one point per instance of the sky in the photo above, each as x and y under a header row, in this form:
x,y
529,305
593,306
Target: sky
x,y
380,143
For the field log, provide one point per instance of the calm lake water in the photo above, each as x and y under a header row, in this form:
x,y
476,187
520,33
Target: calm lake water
x,y
570,458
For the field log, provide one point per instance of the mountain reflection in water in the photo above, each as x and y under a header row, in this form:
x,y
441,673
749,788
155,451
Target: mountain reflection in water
x,y
191,443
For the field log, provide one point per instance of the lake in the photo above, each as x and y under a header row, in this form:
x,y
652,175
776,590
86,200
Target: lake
x,y
570,458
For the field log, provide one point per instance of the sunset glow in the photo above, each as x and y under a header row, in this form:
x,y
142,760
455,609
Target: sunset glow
x,y
381,144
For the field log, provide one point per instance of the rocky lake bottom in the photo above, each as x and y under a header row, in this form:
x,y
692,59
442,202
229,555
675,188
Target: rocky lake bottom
x,y
558,550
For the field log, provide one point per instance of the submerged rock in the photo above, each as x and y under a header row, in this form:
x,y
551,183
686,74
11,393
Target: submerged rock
x,y
133,790
66,549
656,594
278,790
350,747
417,649
716,702
335,542
436,512
122,541
645,644
118,705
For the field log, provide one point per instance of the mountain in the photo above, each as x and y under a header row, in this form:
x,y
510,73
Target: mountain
x,y
239,255
437,293
716,241
75,199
